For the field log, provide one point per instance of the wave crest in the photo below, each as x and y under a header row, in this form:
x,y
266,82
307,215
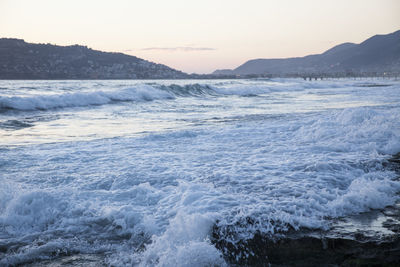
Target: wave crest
x,y
79,99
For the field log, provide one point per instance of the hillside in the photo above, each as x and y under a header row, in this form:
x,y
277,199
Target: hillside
x,y
21,60
378,54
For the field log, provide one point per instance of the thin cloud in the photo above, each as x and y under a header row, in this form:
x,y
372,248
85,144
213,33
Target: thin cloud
x,y
179,48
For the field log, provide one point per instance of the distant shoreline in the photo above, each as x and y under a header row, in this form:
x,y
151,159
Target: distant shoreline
x,y
375,57
206,77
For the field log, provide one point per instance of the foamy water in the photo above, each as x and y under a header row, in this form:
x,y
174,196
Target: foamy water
x,y
141,171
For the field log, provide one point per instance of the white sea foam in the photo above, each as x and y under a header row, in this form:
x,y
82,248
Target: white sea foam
x,y
372,191
153,198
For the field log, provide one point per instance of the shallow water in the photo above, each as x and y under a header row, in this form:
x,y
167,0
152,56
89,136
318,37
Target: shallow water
x,y
140,171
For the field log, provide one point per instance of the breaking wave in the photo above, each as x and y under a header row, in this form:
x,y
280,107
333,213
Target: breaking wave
x,y
137,93
152,91
79,99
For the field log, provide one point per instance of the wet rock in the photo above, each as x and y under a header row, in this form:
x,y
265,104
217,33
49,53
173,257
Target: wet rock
x,y
368,239
309,250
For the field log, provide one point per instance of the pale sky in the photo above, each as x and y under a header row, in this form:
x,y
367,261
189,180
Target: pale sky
x,y
200,36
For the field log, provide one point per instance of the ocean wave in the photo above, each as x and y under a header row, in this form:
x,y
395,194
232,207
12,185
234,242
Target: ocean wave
x,y
138,93
148,92
79,99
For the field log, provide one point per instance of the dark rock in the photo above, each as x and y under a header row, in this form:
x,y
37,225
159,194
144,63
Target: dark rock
x,y
308,250
368,239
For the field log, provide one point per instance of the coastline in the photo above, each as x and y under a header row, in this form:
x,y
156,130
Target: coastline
x,y
367,239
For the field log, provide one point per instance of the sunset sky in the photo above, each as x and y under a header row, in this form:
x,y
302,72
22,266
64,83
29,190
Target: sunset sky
x,y
200,36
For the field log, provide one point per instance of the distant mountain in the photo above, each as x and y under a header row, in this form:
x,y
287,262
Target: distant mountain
x,y
378,54
21,60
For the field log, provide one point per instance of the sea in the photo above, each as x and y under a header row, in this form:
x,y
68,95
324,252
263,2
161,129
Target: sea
x,y
141,172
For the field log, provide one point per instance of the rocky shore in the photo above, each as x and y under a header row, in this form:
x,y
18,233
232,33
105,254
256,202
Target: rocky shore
x,y
368,239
